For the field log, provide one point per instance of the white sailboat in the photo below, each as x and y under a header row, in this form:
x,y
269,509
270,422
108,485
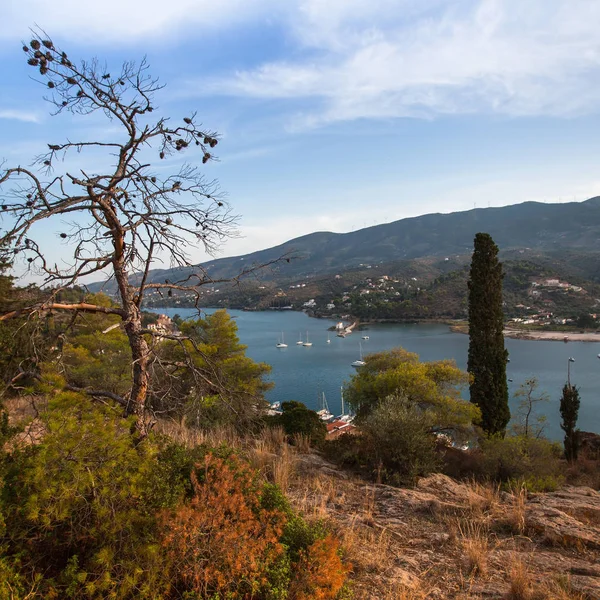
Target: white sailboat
x,y
345,417
324,413
307,343
328,340
299,342
281,344
360,362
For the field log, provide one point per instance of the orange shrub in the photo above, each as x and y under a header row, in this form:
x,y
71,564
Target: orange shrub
x,y
222,541
320,573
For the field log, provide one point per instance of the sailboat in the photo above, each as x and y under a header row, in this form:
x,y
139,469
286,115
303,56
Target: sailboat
x,y
307,343
299,342
360,362
345,417
281,344
324,413
328,340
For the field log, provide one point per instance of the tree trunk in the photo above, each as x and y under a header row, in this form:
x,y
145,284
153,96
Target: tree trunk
x,y
139,357
137,343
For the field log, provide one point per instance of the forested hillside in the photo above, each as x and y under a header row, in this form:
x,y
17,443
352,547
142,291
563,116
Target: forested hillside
x,y
541,228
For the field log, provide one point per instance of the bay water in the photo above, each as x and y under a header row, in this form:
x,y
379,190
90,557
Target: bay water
x,y
304,373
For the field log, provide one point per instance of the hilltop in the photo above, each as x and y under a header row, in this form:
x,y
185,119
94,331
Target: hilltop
x,y
537,227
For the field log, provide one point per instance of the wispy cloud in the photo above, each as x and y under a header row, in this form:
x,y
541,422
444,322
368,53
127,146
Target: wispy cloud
x,y
371,59
19,115
384,59
125,23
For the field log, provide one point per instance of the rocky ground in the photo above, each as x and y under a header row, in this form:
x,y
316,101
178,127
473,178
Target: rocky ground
x,y
449,540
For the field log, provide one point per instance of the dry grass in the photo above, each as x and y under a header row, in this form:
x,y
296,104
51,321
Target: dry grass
x,y
261,458
316,492
274,438
474,539
560,588
514,516
369,550
483,497
268,451
283,467
404,592
368,506
301,443
191,437
521,585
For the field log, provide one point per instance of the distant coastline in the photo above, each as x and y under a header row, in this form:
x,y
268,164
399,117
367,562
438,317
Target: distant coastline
x,y
553,336
455,327
546,336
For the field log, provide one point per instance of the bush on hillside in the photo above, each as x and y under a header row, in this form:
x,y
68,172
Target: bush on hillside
x,y
297,419
92,512
395,443
320,573
223,542
75,505
512,461
532,462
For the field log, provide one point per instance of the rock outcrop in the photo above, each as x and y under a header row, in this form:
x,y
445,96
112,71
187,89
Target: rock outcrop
x,y
452,540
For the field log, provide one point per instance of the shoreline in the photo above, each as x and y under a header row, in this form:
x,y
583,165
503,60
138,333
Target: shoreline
x,y
455,327
544,336
552,336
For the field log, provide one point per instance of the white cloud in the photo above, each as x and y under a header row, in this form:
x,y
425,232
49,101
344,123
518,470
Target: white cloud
x,y
382,59
117,22
19,115
353,59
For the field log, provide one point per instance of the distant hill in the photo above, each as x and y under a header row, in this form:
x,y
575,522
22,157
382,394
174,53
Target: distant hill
x,y
541,228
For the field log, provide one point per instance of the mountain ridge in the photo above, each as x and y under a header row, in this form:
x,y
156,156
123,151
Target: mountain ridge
x,y
534,225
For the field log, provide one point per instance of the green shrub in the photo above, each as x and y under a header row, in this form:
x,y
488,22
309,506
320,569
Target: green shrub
x,y
397,436
298,534
536,483
395,443
169,482
12,585
297,419
75,504
520,458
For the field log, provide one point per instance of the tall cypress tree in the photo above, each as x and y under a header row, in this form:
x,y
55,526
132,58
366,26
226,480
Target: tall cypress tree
x,y
569,411
487,355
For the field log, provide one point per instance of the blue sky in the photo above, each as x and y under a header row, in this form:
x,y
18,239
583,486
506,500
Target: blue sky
x,y
339,114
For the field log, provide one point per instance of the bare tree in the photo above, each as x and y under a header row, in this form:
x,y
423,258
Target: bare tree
x,y
528,422
124,218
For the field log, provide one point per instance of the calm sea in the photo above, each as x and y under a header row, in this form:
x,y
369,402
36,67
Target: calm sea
x,y
304,373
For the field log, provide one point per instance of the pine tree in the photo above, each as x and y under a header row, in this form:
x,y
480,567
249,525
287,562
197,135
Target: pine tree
x,y
569,411
487,355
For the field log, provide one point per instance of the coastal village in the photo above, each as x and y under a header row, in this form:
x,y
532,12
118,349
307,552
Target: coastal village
x,y
545,302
